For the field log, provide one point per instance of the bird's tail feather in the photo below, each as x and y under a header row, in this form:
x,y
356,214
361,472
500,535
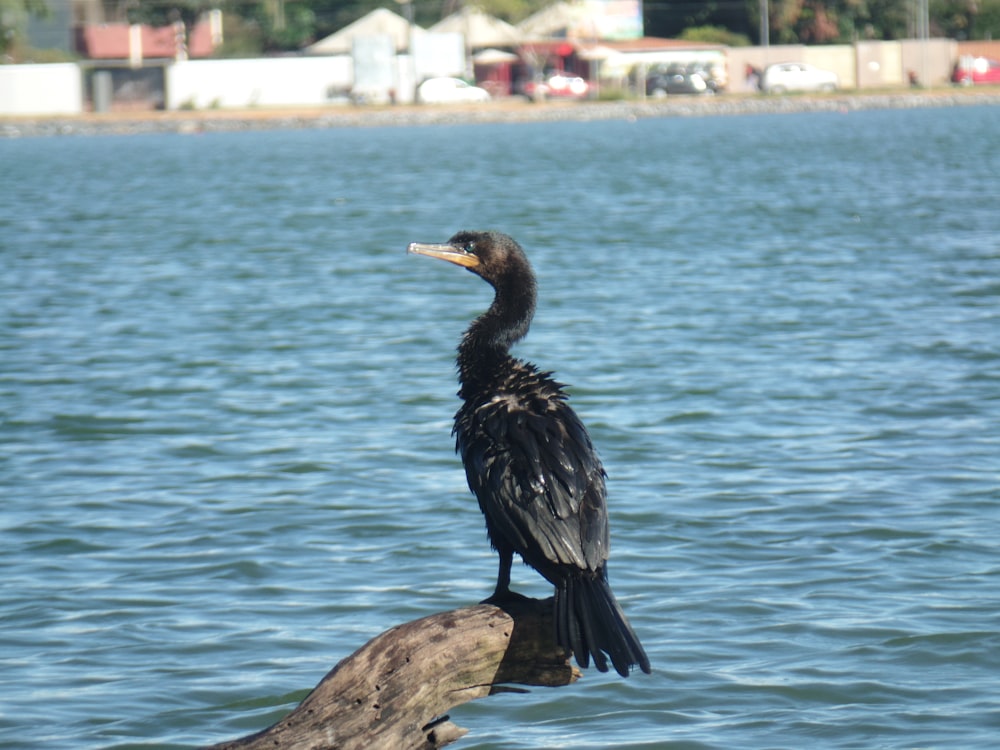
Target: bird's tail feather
x,y
590,623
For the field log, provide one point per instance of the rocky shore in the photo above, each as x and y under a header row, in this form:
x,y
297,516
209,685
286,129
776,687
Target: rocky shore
x,y
513,110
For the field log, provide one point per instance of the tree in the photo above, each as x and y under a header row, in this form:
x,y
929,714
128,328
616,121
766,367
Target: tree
x,y
264,26
284,25
966,19
13,15
167,13
829,21
715,35
669,18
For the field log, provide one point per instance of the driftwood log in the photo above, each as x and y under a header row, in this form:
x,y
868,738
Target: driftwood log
x,y
394,691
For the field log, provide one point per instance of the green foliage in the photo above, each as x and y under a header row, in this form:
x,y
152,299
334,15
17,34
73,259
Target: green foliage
x,y
511,11
18,52
826,21
13,16
962,19
242,37
987,22
250,28
166,13
839,21
715,35
885,19
287,26
614,94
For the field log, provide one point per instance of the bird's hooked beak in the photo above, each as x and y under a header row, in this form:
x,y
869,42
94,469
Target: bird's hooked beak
x,y
450,253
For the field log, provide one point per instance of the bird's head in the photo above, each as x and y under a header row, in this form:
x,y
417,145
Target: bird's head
x,y
494,256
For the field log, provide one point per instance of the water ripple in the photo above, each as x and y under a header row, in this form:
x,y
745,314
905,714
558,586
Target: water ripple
x,y
226,398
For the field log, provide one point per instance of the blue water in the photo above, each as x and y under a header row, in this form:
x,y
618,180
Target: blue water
x,y
226,397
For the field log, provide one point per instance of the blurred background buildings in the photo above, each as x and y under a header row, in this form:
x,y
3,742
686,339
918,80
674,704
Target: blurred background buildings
x,y
68,56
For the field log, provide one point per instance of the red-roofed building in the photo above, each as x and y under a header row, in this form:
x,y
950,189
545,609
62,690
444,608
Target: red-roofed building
x,y
124,64
122,41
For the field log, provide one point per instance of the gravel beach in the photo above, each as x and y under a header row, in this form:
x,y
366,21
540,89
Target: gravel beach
x,y
510,110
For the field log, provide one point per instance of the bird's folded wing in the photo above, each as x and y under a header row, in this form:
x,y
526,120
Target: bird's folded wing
x,y
539,481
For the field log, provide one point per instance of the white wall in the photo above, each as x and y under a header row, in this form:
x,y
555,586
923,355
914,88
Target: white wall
x,y
55,89
931,60
836,57
267,82
839,58
866,64
879,64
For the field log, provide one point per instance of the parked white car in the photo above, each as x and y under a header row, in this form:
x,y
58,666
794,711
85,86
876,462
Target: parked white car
x,y
450,90
795,76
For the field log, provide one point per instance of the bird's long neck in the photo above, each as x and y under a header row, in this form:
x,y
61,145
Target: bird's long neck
x,y
485,347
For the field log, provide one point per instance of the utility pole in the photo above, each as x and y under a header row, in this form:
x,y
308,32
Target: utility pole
x,y
765,24
923,34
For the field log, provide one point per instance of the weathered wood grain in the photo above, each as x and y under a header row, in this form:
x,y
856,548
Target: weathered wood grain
x,y
394,691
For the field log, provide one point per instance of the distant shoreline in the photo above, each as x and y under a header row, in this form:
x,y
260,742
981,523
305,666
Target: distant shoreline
x,y
501,111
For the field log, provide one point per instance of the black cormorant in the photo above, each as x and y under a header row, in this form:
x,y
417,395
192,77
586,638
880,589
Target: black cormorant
x,y
529,460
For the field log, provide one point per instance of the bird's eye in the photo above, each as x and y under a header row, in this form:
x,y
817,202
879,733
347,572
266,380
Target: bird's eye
x,y
471,248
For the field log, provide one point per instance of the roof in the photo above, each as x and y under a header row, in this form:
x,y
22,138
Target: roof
x,y
114,41
492,56
380,22
478,28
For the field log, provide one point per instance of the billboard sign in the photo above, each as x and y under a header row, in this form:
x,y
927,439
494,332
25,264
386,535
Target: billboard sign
x,y
615,19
